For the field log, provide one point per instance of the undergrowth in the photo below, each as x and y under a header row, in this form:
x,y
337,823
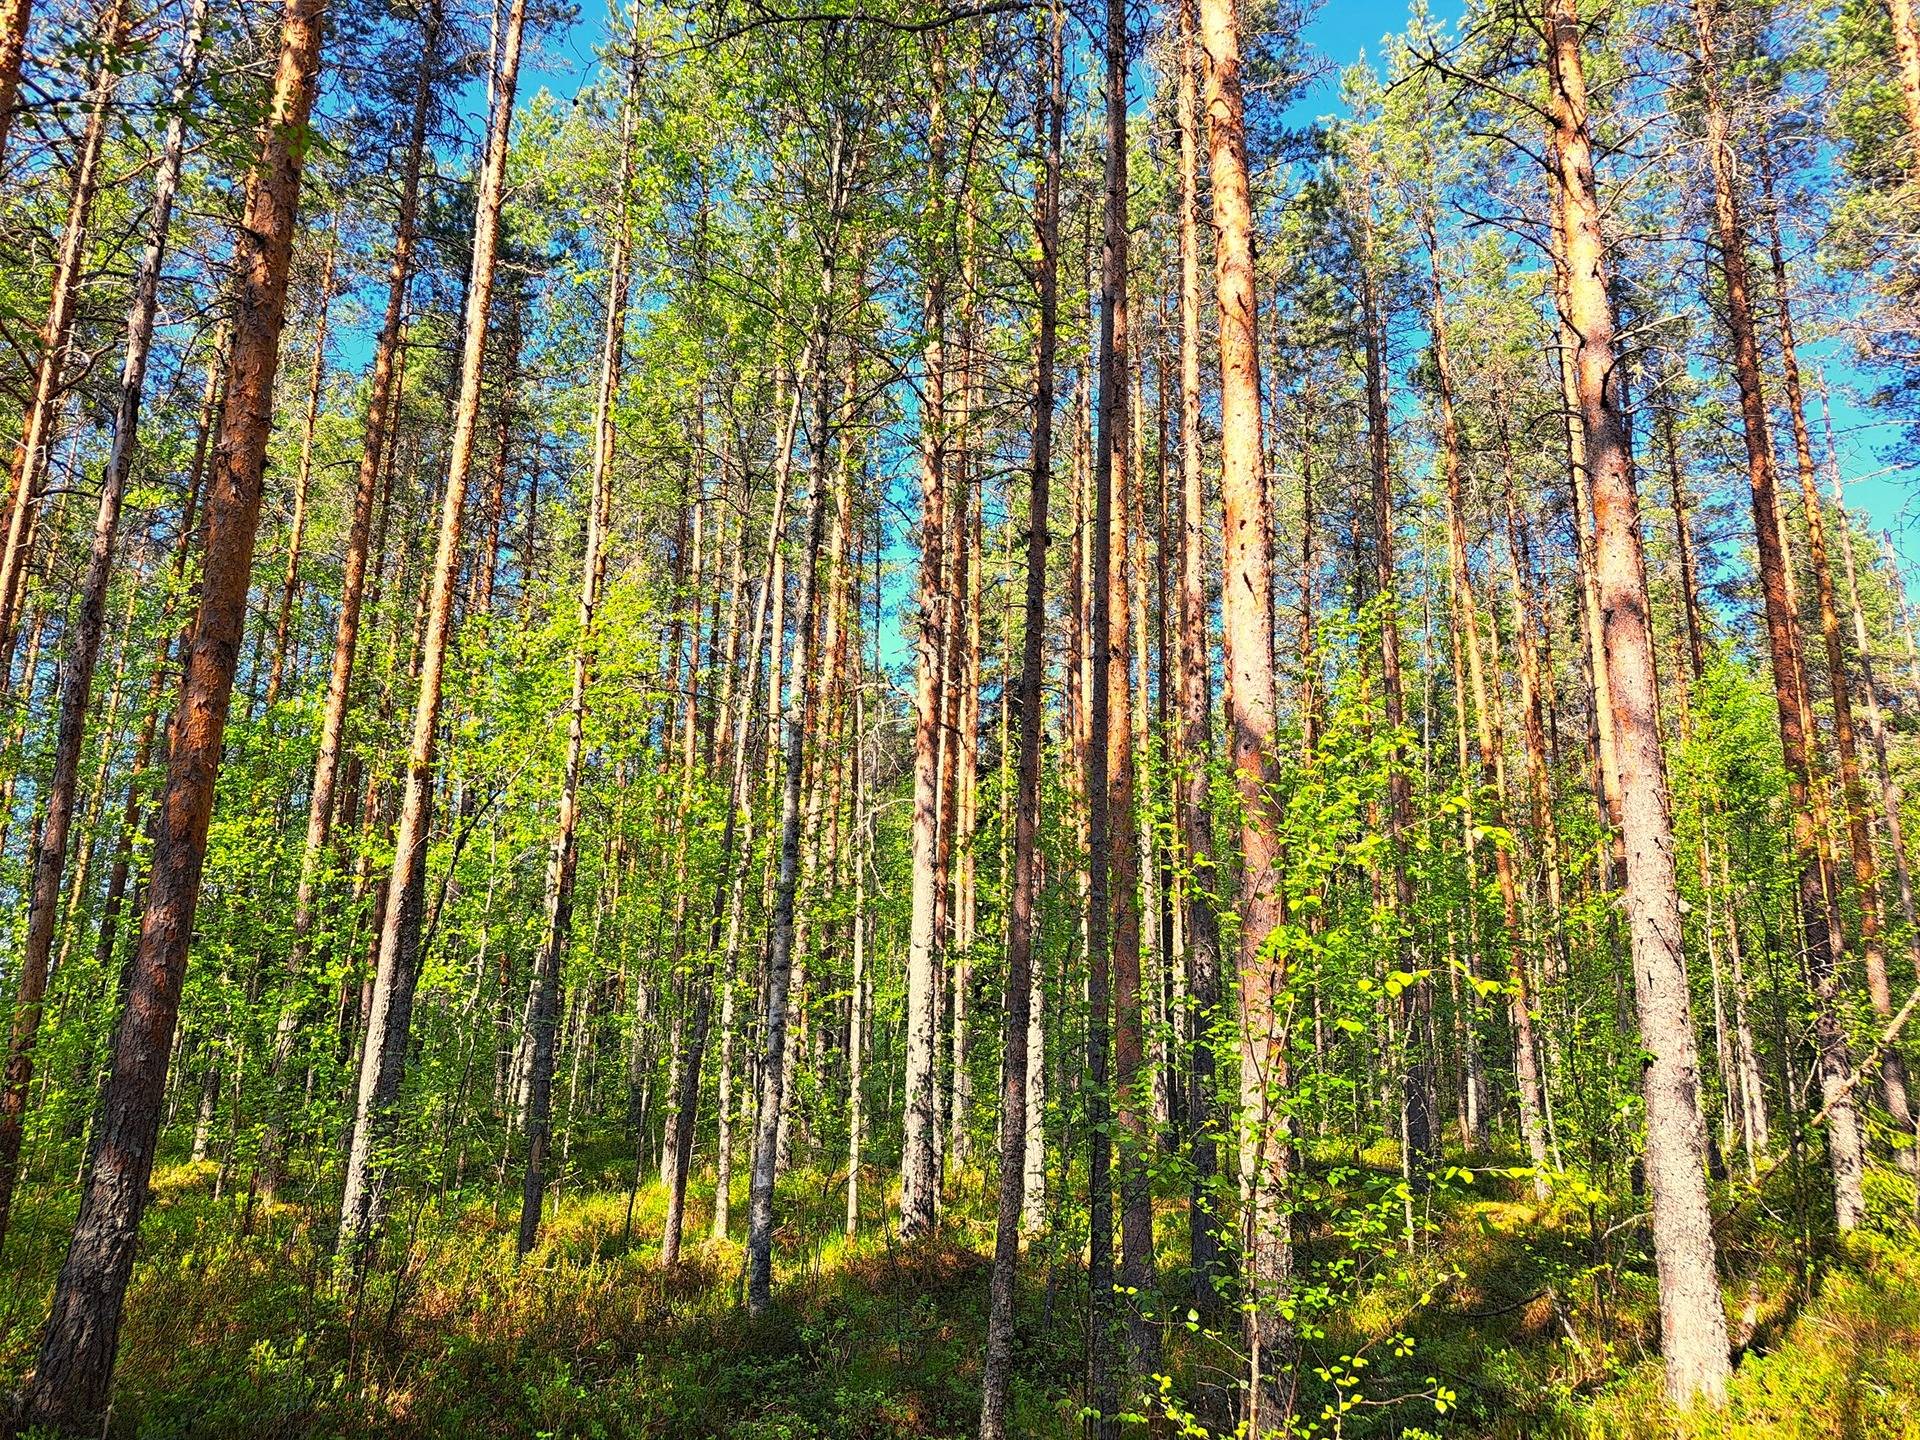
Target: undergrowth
x,y
1502,1318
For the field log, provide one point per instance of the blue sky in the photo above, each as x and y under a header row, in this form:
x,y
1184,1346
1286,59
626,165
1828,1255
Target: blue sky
x,y
1879,480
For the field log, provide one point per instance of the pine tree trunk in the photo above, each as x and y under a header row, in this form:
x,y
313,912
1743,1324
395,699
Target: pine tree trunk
x,y
1845,1151
390,1014
68,1389
84,634
1201,923
382,412
1022,921
1606,764
1114,525
1247,607
1692,1324
1110,838
920,1174
15,18
47,394
1866,883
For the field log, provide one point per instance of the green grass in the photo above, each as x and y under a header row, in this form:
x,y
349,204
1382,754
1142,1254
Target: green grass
x,y
1527,1320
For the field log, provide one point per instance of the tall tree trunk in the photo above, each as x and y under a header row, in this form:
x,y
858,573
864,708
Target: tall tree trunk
x,y
786,884
920,1174
15,18
1526,1069
997,1372
1592,624
390,1014
564,859
1692,1325
46,396
84,635
741,805
382,412
1844,1142
858,1006
1110,841
1114,525
773,1020
297,533
1200,920
1247,609
68,1388
1866,883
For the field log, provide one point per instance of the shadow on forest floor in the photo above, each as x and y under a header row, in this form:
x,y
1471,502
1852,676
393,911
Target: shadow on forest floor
x,y
1508,1320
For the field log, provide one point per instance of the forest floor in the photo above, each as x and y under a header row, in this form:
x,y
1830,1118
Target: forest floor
x,y
1509,1320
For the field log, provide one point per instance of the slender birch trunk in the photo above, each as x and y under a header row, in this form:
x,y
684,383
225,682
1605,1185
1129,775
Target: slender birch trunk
x,y
564,859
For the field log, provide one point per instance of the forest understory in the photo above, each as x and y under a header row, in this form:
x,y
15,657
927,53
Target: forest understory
x,y
1519,1319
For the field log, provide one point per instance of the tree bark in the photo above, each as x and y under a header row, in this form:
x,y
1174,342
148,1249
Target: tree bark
x,y
68,1388
773,1020
920,1175
1022,922
1845,1151
390,1013
1114,526
382,408
1866,880
564,859
46,396
15,18
1247,610
1199,918
1692,1324
85,633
